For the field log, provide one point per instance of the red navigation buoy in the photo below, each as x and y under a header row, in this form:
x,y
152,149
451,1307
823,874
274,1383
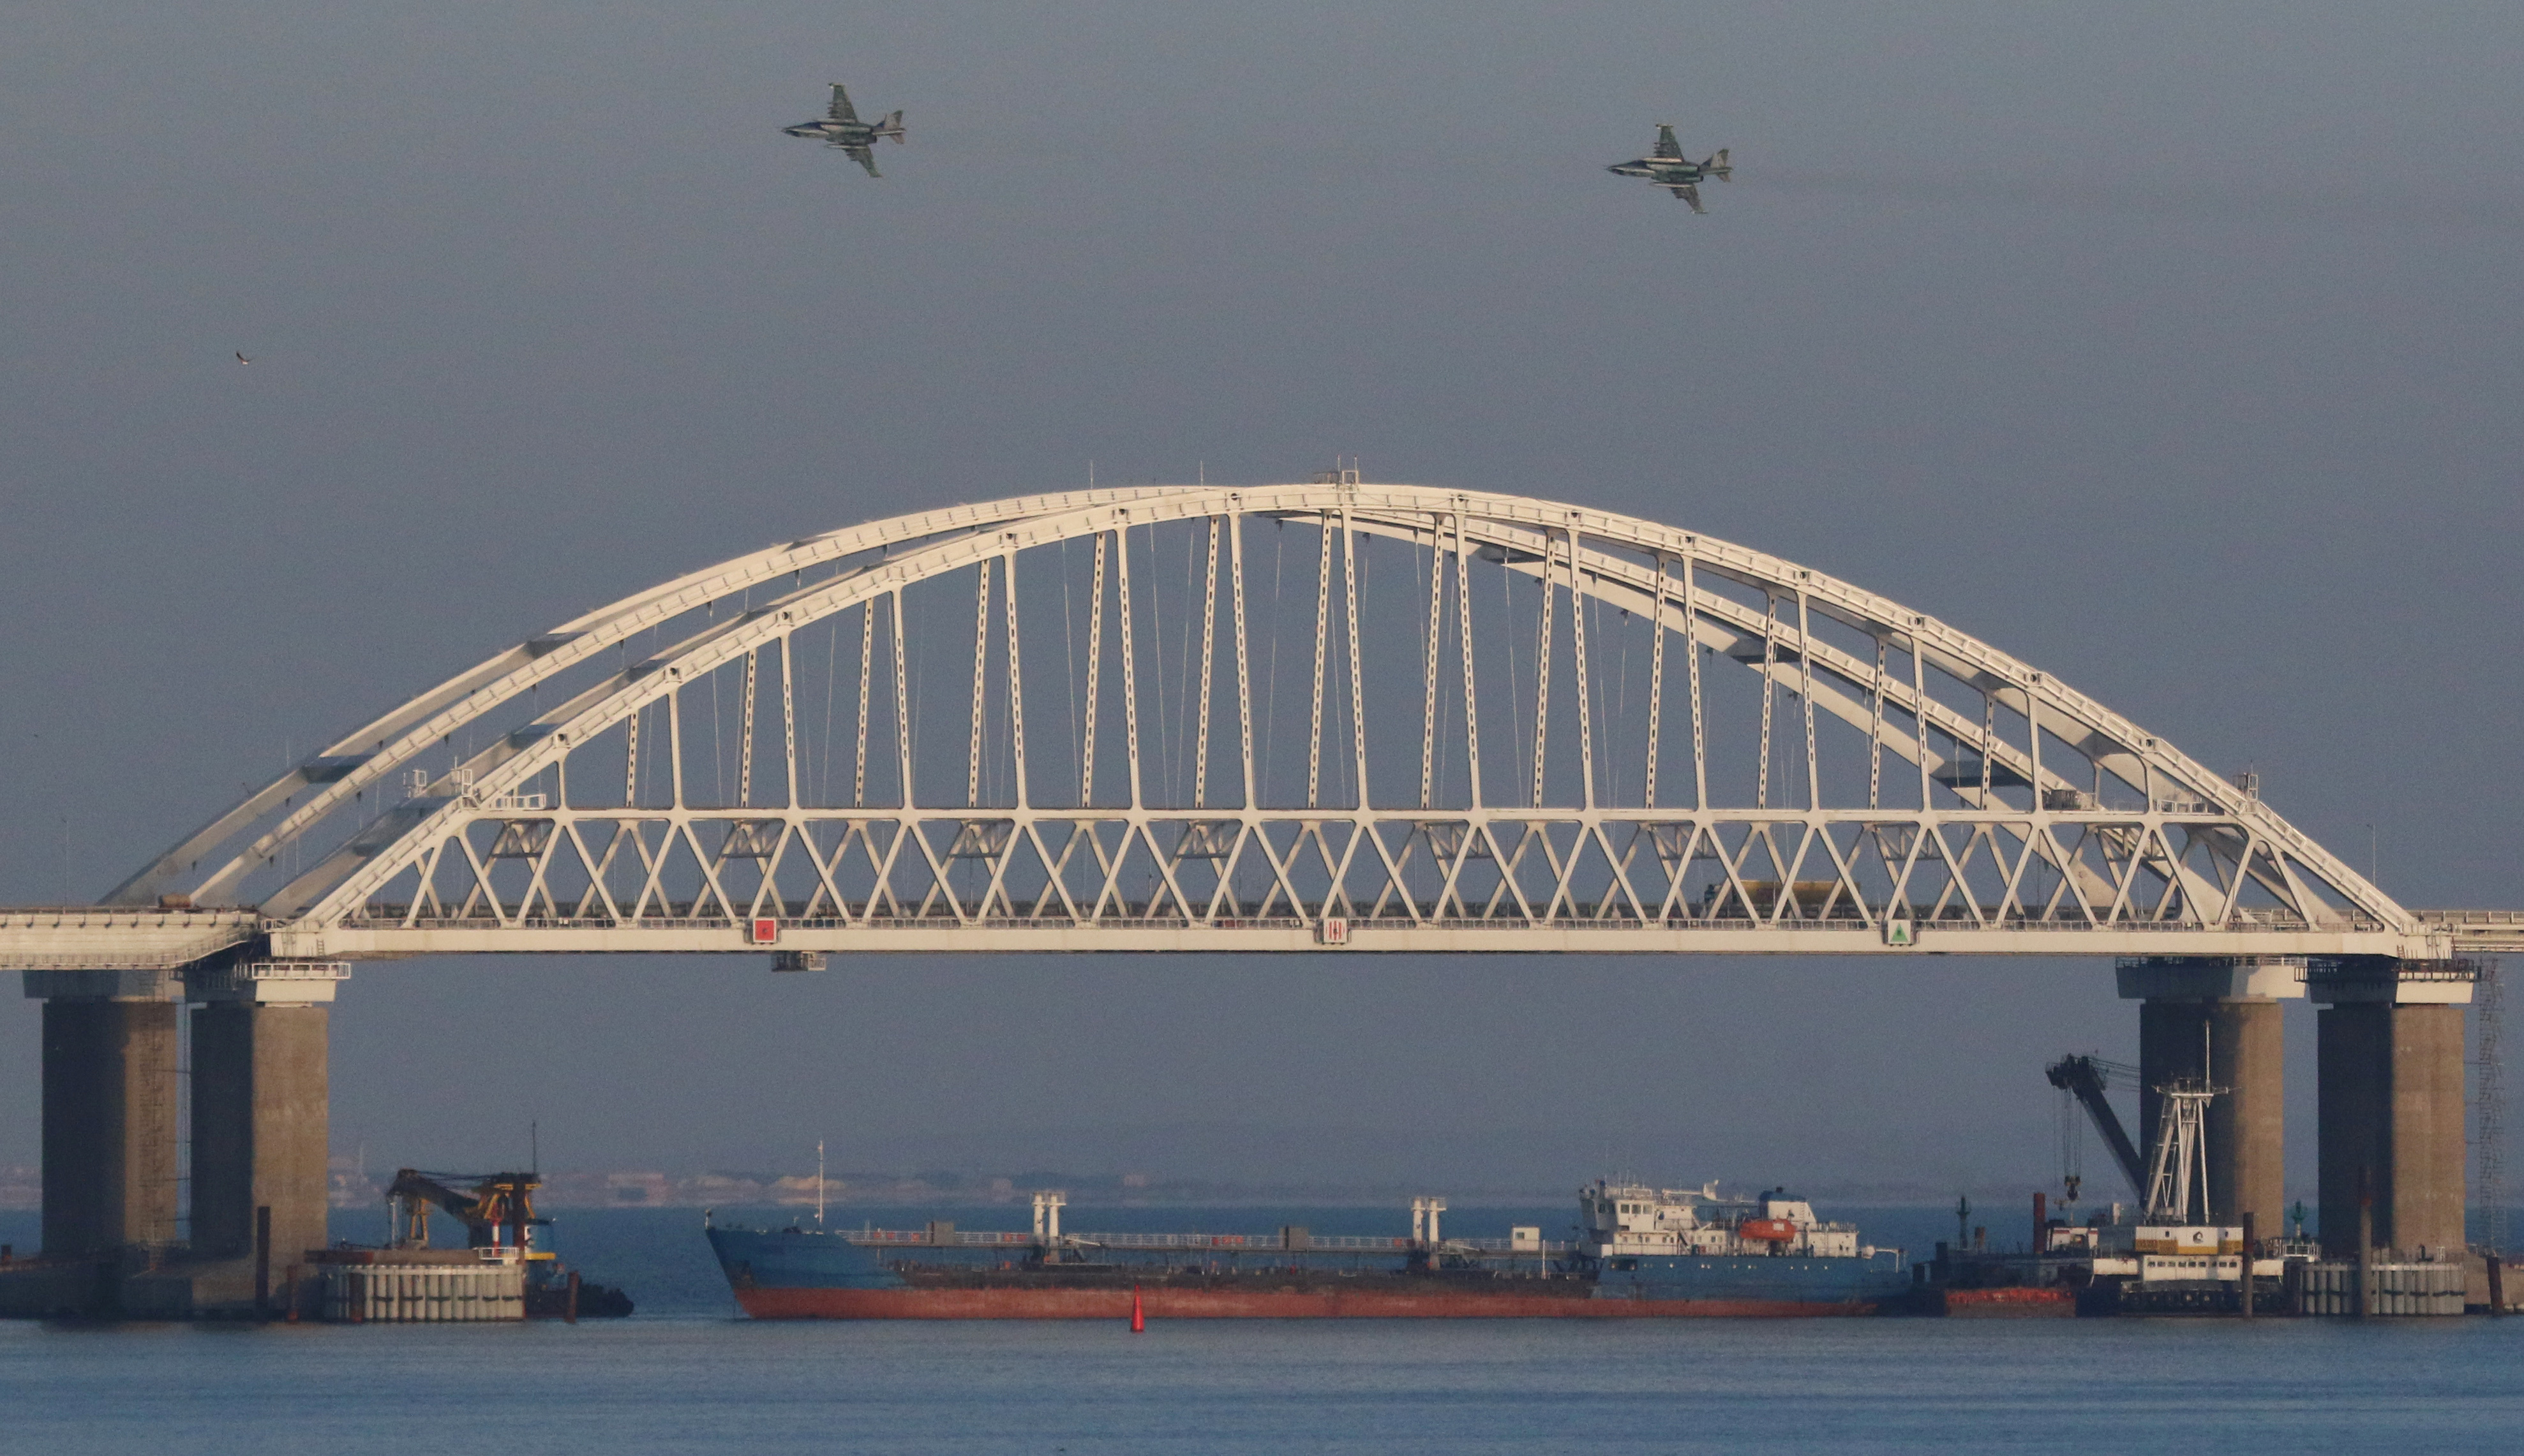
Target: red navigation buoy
x,y
1139,1315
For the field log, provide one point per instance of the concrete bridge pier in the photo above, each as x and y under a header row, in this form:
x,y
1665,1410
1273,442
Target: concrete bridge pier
x,y
2391,1104
2220,1015
262,1126
109,1109
113,1237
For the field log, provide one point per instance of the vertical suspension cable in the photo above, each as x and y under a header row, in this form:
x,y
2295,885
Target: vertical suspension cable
x,y
1691,659
1323,640
1357,687
1429,662
1208,651
1988,739
631,765
1507,638
832,665
1585,691
1464,645
901,704
675,737
1130,659
1181,750
1542,677
788,717
1920,710
867,665
1166,780
1271,675
1095,678
1069,655
2033,744
1016,680
1805,696
1770,690
981,680
1875,734
1244,666
1655,680
1616,706
744,740
718,752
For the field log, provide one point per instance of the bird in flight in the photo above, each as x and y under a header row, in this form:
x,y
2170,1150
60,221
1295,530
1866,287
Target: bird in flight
x,y
241,359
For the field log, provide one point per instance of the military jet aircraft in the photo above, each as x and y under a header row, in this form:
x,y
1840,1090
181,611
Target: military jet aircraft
x,y
842,128
1668,168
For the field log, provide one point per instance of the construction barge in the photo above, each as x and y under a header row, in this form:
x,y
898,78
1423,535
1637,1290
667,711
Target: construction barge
x,y
504,1271
2170,1256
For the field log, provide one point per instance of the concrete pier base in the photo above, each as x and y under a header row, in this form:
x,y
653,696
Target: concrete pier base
x,y
260,1125
2392,1131
2222,1019
110,1120
259,1091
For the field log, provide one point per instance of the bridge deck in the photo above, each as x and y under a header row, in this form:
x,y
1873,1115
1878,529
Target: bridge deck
x,y
112,936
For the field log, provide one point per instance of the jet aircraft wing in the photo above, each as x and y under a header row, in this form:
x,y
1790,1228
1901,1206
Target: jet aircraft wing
x,y
1690,194
1666,145
864,156
842,111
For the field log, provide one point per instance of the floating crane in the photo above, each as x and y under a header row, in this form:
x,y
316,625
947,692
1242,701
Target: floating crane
x,y
2084,1078
497,1214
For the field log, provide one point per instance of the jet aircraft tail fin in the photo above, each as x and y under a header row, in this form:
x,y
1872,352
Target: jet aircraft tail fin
x,y
1716,166
892,127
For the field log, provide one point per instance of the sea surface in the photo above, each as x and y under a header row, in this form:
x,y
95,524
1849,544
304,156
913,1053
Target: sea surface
x,y
688,1373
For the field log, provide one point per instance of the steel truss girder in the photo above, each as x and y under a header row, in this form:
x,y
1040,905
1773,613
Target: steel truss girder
x,y
1953,871
2183,862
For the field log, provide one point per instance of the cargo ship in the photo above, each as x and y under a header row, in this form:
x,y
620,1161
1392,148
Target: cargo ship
x,y
1637,1252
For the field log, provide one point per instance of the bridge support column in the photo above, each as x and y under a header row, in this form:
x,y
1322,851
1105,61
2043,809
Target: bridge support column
x,y
2391,1103
108,1093
261,1117
2220,1017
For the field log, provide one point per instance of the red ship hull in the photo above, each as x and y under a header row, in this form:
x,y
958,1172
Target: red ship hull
x,y
1246,1304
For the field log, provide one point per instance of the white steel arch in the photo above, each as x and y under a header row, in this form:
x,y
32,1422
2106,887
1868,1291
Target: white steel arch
x,y
1519,723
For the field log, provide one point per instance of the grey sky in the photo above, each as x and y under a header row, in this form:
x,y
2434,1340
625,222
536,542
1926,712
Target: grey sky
x,y
2169,347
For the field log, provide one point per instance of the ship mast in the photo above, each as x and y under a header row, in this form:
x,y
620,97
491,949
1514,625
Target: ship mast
x,y
2181,1156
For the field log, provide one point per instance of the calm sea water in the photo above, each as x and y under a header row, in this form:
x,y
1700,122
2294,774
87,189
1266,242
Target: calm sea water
x,y
688,1375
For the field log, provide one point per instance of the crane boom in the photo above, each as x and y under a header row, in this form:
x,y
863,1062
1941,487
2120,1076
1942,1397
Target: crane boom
x,y
497,1201
2084,1078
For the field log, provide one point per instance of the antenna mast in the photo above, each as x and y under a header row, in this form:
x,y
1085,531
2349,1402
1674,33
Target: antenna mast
x,y
819,1182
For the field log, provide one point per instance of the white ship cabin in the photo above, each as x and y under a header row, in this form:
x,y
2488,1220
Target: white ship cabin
x,y
1634,1219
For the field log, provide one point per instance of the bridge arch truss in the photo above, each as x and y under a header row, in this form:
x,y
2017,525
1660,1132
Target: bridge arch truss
x,y
1265,718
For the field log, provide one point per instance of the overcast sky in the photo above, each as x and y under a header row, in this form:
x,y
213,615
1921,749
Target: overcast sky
x,y
2169,347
